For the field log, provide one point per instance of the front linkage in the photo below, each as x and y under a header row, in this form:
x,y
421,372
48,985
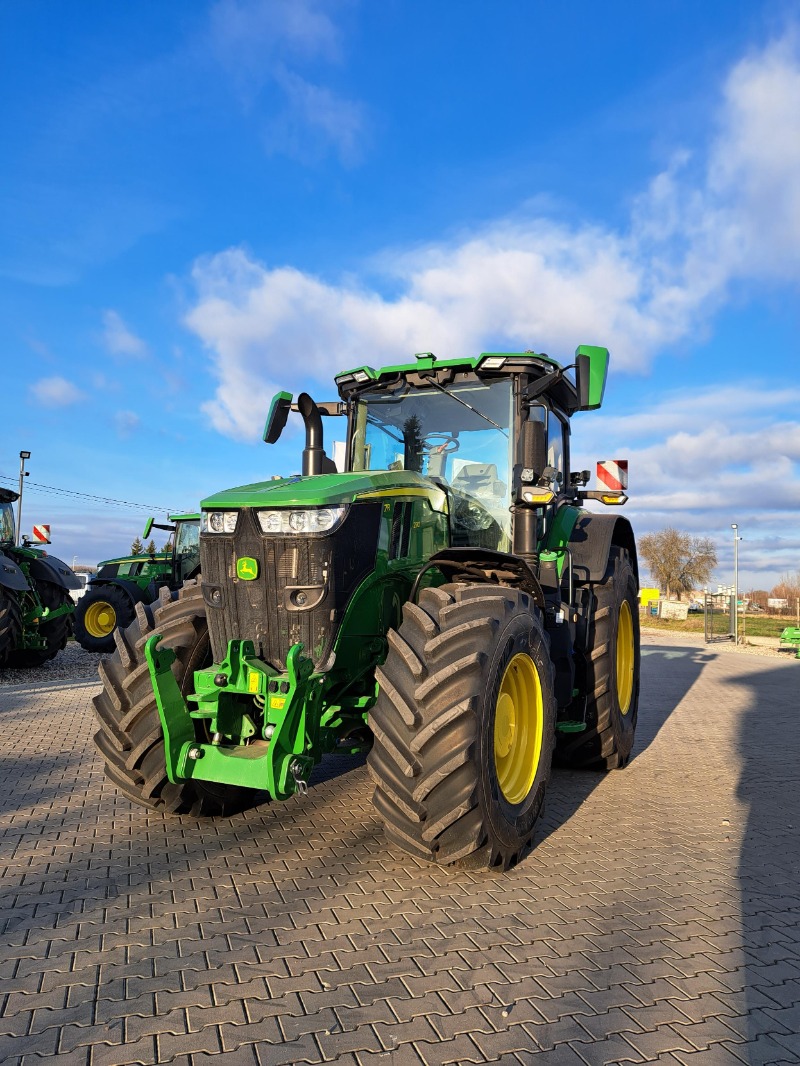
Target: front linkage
x,y
274,750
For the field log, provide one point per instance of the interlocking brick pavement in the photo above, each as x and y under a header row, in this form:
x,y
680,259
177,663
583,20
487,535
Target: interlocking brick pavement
x,y
657,920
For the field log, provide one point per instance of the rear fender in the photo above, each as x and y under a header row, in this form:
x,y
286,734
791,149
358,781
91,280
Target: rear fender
x,y
49,568
591,542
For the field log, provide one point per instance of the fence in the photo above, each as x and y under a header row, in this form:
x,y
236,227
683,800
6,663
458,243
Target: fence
x,y
720,619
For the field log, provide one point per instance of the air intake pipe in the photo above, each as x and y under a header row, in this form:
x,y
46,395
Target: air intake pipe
x,y
315,461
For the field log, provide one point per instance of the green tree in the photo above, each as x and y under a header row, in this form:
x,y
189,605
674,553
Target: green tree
x,y
412,440
137,548
151,548
678,561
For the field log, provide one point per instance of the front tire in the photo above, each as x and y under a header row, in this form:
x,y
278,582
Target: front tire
x,y
464,726
130,737
99,612
612,669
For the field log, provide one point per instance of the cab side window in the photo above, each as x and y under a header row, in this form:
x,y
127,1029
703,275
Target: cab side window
x,y
556,454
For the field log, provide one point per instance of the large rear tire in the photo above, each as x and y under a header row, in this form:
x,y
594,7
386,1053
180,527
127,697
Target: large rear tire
x,y
130,737
612,669
99,612
464,726
55,633
10,624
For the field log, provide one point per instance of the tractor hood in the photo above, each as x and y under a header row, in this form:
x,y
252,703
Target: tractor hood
x,y
330,490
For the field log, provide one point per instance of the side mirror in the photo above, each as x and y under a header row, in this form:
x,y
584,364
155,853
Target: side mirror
x,y
147,527
276,419
591,371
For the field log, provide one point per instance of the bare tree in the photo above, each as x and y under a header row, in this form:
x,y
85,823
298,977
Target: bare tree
x,y
678,561
788,588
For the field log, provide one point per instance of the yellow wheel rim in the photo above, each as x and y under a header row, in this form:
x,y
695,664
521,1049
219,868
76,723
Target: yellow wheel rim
x,y
100,619
518,728
625,657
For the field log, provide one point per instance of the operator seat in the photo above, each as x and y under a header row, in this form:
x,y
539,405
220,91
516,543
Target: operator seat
x,y
479,479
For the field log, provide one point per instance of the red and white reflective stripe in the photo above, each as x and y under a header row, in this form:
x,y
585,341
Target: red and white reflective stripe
x,y
41,534
613,474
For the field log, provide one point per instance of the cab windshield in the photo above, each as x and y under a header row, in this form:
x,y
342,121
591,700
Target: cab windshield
x,y
461,437
6,523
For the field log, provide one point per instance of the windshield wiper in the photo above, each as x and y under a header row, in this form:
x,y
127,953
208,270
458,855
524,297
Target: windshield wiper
x,y
469,406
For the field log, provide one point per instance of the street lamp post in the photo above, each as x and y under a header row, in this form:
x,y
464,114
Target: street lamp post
x,y
735,528
23,473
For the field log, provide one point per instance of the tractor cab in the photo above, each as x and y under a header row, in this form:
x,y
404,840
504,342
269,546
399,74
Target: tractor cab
x,y
7,525
184,530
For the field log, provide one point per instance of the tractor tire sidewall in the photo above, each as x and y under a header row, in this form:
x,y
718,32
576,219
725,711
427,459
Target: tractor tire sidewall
x,y
124,609
512,822
608,740
620,589
55,633
433,756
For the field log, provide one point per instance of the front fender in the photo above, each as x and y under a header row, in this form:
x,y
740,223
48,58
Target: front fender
x,y
50,568
11,577
136,594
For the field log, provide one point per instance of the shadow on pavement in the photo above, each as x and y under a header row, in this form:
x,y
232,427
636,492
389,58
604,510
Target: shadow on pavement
x,y
769,863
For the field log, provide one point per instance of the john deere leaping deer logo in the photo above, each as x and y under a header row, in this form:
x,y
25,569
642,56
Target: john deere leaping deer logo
x,y
246,568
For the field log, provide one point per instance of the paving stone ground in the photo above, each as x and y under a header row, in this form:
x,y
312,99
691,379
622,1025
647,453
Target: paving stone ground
x,y
657,920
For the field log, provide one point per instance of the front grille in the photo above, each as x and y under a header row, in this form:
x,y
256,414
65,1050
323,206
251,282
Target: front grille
x,y
327,569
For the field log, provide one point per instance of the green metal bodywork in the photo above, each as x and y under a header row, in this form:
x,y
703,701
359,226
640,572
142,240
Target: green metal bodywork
x,y
791,635
248,723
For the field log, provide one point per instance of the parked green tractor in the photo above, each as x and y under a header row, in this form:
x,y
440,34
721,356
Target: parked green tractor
x,y
446,603
35,604
119,584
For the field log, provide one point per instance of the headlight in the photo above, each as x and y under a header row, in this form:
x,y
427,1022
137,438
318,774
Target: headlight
x,y
219,521
307,520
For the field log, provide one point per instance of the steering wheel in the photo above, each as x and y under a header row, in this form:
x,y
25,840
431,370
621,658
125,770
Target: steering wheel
x,y
448,445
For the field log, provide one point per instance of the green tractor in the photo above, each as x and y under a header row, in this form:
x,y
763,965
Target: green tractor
x,y
35,604
445,602
119,584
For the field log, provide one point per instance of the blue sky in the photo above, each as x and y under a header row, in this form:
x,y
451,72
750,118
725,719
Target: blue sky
x,y
203,203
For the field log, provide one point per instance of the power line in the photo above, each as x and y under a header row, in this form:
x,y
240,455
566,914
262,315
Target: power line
x,y
37,486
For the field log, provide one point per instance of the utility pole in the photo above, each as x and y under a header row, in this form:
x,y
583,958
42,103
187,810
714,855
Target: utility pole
x,y
23,473
736,539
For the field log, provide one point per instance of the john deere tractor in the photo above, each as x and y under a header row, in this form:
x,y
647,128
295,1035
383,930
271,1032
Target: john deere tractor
x,y
119,584
445,602
35,604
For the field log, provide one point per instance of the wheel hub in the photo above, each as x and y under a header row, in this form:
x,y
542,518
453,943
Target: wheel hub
x,y
100,619
625,658
518,728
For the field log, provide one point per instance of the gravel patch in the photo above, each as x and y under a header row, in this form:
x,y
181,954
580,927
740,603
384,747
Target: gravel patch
x,y
71,664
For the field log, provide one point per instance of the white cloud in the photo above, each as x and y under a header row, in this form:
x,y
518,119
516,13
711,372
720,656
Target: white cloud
x,y
314,118
532,282
704,458
249,36
56,392
260,44
119,339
